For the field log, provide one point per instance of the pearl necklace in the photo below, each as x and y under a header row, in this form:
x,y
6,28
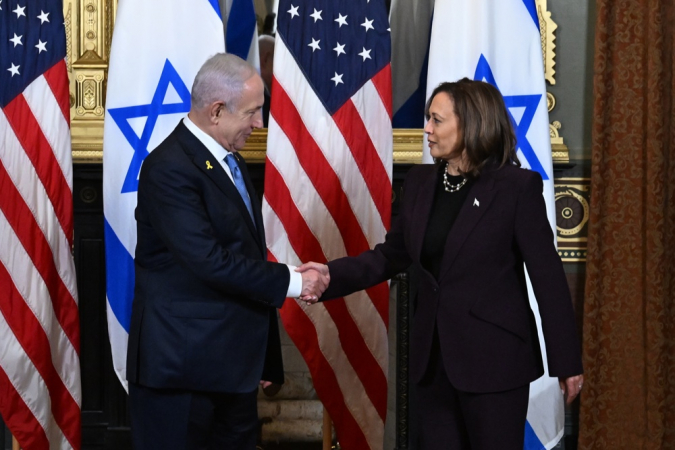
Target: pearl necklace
x,y
449,187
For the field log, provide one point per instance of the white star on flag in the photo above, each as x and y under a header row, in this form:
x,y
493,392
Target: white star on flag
x,y
368,24
19,11
365,54
342,20
44,17
14,69
340,49
337,78
293,11
41,46
316,15
16,40
314,44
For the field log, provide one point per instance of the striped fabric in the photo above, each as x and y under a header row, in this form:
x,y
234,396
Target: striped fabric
x,y
328,194
40,392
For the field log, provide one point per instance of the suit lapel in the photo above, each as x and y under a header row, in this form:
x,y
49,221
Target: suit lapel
x,y
255,204
204,160
477,203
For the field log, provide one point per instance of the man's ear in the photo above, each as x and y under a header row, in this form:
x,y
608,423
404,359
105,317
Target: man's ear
x,y
216,110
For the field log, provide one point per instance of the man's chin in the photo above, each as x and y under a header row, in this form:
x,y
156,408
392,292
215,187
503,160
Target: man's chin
x,y
242,143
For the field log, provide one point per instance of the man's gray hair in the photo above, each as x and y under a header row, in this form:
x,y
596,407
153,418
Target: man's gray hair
x,y
221,78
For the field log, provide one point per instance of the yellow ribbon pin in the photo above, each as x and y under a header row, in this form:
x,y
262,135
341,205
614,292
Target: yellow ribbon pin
x,y
208,165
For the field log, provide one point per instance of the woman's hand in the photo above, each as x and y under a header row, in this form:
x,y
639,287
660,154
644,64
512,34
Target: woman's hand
x,y
571,387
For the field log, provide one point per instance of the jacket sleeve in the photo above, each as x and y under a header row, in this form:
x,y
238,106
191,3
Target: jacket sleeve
x,y
534,238
387,259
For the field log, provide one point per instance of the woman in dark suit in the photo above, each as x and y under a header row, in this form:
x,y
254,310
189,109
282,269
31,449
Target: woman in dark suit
x,y
467,228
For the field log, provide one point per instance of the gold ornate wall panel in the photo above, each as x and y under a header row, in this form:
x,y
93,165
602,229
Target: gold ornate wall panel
x,y
89,25
572,199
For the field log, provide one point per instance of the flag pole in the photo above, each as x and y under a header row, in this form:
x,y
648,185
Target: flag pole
x,y
15,444
327,430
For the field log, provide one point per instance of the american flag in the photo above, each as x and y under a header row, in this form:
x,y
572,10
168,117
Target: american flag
x,y
328,194
39,325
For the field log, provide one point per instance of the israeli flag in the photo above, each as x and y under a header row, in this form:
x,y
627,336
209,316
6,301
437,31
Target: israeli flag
x,y
498,41
157,48
241,31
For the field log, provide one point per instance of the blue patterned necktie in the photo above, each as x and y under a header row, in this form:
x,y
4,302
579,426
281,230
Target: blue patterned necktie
x,y
239,182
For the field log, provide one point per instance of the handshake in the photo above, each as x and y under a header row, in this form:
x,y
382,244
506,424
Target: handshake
x,y
315,280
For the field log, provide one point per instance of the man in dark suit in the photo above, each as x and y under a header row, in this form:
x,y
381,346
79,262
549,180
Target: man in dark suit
x,y
204,329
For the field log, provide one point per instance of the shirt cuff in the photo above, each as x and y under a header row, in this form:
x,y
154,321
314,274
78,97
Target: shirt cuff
x,y
295,283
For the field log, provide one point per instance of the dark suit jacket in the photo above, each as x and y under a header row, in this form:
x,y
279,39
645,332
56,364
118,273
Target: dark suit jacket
x,y
479,304
203,315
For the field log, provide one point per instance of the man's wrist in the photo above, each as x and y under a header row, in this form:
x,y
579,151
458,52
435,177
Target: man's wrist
x,y
294,283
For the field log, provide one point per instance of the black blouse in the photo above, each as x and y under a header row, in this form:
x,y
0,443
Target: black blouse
x,y
444,212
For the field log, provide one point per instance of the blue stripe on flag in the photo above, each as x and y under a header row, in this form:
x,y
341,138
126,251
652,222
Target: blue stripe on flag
x,y
532,442
241,25
216,6
120,275
532,9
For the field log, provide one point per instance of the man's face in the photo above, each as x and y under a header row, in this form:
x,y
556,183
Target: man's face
x,y
235,127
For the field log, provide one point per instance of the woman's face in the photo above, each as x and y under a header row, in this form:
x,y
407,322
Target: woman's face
x,y
442,128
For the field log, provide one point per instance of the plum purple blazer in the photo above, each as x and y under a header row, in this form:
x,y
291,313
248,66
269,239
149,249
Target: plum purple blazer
x,y
479,304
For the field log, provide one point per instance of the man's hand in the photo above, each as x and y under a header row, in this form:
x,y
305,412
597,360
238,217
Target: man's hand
x,y
269,388
571,387
315,280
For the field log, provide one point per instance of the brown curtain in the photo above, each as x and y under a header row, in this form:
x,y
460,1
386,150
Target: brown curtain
x,y
628,400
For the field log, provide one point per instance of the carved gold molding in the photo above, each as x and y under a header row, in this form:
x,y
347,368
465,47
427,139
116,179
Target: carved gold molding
x,y
547,27
408,145
88,36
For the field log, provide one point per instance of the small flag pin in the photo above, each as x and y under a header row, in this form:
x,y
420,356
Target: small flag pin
x,y
476,202
208,165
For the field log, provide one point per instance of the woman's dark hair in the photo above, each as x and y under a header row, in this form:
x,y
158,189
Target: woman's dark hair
x,y
484,123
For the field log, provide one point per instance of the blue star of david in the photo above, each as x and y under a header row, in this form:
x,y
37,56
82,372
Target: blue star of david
x,y
152,111
530,102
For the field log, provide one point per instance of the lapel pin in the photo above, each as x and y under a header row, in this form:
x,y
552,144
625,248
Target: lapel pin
x,y
208,165
476,202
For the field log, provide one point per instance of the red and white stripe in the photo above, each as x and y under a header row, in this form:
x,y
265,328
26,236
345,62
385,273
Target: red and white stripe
x,y
40,394
327,195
